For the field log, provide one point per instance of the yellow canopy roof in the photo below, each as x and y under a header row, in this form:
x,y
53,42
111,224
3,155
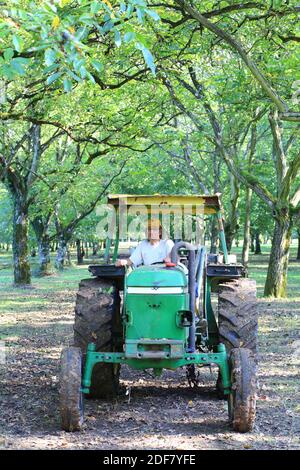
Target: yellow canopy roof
x,y
162,202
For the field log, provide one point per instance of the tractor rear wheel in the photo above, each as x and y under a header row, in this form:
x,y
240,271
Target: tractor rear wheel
x,y
237,318
242,399
71,398
97,320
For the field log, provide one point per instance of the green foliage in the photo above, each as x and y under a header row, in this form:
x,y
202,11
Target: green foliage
x,y
61,37
95,75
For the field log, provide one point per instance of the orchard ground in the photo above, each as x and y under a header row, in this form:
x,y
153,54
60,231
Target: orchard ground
x,y
150,413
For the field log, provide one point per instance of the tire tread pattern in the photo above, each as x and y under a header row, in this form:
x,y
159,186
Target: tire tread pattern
x,y
70,395
97,320
243,377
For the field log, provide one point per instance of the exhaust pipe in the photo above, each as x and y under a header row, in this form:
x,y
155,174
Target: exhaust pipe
x,y
192,287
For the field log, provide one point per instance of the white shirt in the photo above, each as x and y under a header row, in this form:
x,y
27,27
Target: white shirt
x,y
147,254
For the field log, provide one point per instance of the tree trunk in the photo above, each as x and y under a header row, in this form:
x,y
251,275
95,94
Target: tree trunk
x,y
41,226
216,160
95,248
44,256
232,224
298,249
257,243
22,274
61,253
79,252
214,235
246,242
276,282
252,247
68,256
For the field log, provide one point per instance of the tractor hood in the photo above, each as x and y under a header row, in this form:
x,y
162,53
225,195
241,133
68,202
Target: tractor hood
x,y
157,276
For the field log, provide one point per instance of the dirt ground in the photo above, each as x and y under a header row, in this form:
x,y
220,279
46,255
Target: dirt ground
x,y
151,413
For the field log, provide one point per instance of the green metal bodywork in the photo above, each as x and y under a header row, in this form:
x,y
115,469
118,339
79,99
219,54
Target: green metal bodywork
x,y
156,276
218,358
156,317
156,300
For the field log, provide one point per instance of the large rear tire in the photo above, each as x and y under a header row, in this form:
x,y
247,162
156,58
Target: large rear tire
x,y
242,399
71,398
97,319
237,318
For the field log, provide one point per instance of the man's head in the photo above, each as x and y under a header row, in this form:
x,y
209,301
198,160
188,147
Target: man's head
x,y
154,229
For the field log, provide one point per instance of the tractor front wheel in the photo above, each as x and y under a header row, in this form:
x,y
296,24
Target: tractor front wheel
x,y
71,398
242,399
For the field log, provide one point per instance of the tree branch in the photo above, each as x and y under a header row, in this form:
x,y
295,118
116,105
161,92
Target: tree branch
x,y
69,228
280,157
242,176
238,47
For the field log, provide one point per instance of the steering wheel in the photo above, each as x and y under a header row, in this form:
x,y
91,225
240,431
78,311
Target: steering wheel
x,y
157,262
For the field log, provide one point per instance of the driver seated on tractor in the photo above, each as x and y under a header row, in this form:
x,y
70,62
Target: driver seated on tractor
x,y
151,250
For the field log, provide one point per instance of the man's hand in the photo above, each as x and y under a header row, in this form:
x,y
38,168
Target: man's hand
x,y
121,262
167,259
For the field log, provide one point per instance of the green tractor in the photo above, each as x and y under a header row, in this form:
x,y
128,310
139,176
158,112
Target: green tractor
x,y
162,317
